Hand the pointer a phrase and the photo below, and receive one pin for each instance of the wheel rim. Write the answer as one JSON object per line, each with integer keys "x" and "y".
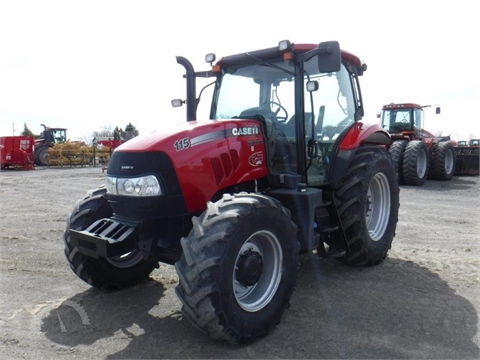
{"x": 254, "y": 294}
{"x": 378, "y": 206}
{"x": 126, "y": 260}
{"x": 449, "y": 160}
{"x": 421, "y": 163}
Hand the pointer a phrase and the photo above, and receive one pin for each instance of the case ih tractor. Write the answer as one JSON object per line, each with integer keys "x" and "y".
{"x": 283, "y": 167}
{"x": 50, "y": 137}
{"x": 416, "y": 153}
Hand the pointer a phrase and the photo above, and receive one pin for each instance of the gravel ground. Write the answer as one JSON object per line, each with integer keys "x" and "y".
{"x": 421, "y": 303}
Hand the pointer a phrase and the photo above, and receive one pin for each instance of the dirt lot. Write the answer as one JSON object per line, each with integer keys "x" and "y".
{"x": 422, "y": 302}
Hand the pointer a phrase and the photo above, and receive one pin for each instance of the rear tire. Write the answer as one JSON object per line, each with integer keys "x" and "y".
{"x": 113, "y": 273}
{"x": 442, "y": 161}
{"x": 396, "y": 151}
{"x": 239, "y": 267}
{"x": 41, "y": 155}
{"x": 368, "y": 202}
{"x": 415, "y": 163}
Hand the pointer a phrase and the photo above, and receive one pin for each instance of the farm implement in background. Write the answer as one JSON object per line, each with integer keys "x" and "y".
{"x": 77, "y": 154}
{"x": 468, "y": 157}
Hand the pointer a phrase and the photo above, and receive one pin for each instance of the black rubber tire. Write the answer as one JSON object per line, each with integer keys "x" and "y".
{"x": 100, "y": 273}
{"x": 415, "y": 163}
{"x": 442, "y": 165}
{"x": 368, "y": 202}
{"x": 41, "y": 155}
{"x": 210, "y": 261}
{"x": 396, "y": 150}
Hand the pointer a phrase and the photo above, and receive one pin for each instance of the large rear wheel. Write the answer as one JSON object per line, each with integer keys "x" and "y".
{"x": 442, "y": 161}
{"x": 368, "y": 202}
{"x": 396, "y": 151}
{"x": 41, "y": 155}
{"x": 239, "y": 267}
{"x": 415, "y": 163}
{"x": 112, "y": 273}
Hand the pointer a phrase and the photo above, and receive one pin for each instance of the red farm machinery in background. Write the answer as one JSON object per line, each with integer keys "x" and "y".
{"x": 416, "y": 153}
{"x": 17, "y": 152}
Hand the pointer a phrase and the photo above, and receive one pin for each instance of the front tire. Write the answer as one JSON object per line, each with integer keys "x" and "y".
{"x": 368, "y": 202}
{"x": 239, "y": 266}
{"x": 112, "y": 273}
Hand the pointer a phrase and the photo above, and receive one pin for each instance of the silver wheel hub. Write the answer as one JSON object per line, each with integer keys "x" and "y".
{"x": 422, "y": 163}
{"x": 258, "y": 271}
{"x": 378, "y": 204}
{"x": 449, "y": 160}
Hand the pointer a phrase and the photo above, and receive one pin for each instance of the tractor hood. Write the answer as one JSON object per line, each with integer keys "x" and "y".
{"x": 183, "y": 136}
{"x": 207, "y": 156}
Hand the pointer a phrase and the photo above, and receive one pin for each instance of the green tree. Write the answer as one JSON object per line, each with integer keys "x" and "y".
{"x": 26, "y": 131}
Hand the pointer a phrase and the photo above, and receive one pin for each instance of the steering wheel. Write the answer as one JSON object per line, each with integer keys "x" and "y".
{"x": 282, "y": 118}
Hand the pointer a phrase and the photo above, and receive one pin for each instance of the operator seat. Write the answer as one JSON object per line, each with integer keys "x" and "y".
{"x": 289, "y": 128}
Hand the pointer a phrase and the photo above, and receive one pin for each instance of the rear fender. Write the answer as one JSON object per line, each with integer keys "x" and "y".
{"x": 364, "y": 134}
{"x": 359, "y": 134}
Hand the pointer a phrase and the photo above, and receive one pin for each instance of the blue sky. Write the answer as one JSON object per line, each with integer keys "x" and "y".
{"x": 93, "y": 64}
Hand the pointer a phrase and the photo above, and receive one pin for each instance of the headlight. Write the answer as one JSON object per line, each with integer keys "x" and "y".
{"x": 141, "y": 186}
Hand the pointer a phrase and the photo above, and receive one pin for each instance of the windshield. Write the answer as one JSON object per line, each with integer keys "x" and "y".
{"x": 397, "y": 120}
{"x": 267, "y": 92}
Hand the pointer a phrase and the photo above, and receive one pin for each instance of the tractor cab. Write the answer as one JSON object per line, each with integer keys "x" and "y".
{"x": 51, "y": 136}
{"x": 305, "y": 96}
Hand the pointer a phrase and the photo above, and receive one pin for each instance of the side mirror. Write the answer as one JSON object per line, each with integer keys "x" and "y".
{"x": 312, "y": 86}
{"x": 329, "y": 57}
{"x": 437, "y": 110}
{"x": 177, "y": 102}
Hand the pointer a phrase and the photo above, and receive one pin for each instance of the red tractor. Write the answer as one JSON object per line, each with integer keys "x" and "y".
{"x": 416, "y": 153}
{"x": 50, "y": 137}
{"x": 283, "y": 166}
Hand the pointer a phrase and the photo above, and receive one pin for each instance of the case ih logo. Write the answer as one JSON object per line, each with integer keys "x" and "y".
{"x": 253, "y": 130}
{"x": 256, "y": 159}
